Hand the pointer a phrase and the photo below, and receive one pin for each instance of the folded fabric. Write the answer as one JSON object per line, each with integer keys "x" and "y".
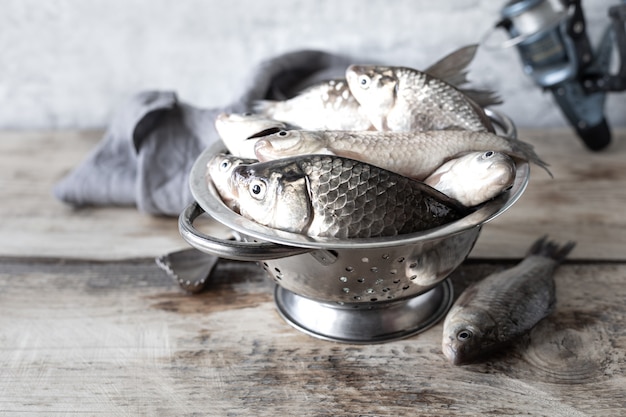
{"x": 147, "y": 152}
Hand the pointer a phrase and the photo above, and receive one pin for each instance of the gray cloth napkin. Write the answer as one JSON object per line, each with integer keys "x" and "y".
{"x": 147, "y": 152}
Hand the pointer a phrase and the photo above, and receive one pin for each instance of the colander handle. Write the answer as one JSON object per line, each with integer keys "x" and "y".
{"x": 230, "y": 249}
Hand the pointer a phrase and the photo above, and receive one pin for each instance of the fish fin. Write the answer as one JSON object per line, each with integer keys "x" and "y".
{"x": 526, "y": 151}
{"x": 550, "y": 249}
{"x": 452, "y": 67}
{"x": 482, "y": 96}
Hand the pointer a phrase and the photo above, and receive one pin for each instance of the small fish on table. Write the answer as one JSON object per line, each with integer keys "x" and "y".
{"x": 496, "y": 311}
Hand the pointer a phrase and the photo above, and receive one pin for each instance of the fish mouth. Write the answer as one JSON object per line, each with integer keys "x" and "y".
{"x": 265, "y": 132}
{"x": 450, "y": 353}
{"x": 233, "y": 182}
{"x": 263, "y": 150}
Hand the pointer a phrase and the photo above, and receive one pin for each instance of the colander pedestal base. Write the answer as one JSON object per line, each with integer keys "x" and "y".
{"x": 365, "y": 323}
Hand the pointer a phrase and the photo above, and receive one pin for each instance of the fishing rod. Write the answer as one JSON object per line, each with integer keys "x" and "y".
{"x": 551, "y": 38}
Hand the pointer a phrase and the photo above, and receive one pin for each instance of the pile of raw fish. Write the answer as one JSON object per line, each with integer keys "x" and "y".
{"x": 385, "y": 151}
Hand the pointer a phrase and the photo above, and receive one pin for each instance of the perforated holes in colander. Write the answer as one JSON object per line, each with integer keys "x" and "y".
{"x": 279, "y": 274}
{"x": 275, "y": 273}
{"x": 367, "y": 282}
{"x": 406, "y": 286}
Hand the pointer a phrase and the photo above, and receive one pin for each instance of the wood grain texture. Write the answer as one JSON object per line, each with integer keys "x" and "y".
{"x": 585, "y": 201}
{"x": 121, "y": 339}
{"x": 89, "y": 325}
{"x": 34, "y": 223}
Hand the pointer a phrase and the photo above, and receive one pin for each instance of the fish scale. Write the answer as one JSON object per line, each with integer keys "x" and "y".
{"x": 331, "y": 196}
{"x": 433, "y": 93}
{"x": 381, "y": 206}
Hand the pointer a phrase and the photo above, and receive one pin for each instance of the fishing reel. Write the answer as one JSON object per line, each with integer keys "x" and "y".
{"x": 551, "y": 38}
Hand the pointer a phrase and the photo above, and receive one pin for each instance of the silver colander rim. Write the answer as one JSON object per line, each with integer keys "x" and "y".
{"x": 207, "y": 197}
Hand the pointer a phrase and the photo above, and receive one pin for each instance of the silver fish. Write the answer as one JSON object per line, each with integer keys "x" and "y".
{"x": 495, "y": 311}
{"x": 337, "y": 197}
{"x": 402, "y": 99}
{"x": 222, "y": 166}
{"x": 237, "y": 131}
{"x": 330, "y": 105}
{"x": 412, "y": 154}
{"x": 325, "y": 105}
{"x": 475, "y": 177}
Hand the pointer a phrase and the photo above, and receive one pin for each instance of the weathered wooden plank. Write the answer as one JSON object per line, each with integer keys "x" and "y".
{"x": 36, "y": 224}
{"x": 584, "y": 202}
{"x": 122, "y": 339}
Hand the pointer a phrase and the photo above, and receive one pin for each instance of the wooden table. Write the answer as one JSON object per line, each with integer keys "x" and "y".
{"x": 89, "y": 325}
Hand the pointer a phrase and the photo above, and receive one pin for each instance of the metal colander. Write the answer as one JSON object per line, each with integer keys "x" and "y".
{"x": 352, "y": 290}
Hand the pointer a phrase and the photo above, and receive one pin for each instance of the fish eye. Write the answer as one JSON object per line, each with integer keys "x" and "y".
{"x": 257, "y": 189}
{"x": 225, "y": 165}
{"x": 283, "y": 133}
{"x": 489, "y": 154}
{"x": 364, "y": 81}
{"x": 464, "y": 335}
{"x": 247, "y": 114}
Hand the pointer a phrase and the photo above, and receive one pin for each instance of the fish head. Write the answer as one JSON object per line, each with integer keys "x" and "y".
{"x": 240, "y": 130}
{"x": 219, "y": 171}
{"x": 289, "y": 143}
{"x": 491, "y": 172}
{"x": 274, "y": 194}
{"x": 496, "y": 167}
{"x": 468, "y": 333}
{"x": 375, "y": 88}
{"x": 475, "y": 177}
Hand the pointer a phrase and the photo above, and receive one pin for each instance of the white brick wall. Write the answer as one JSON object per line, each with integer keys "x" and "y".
{"x": 69, "y": 63}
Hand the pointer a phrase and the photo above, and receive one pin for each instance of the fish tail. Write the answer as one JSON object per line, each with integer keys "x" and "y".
{"x": 526, "y": 151}
{"x": 550, "y": 249}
